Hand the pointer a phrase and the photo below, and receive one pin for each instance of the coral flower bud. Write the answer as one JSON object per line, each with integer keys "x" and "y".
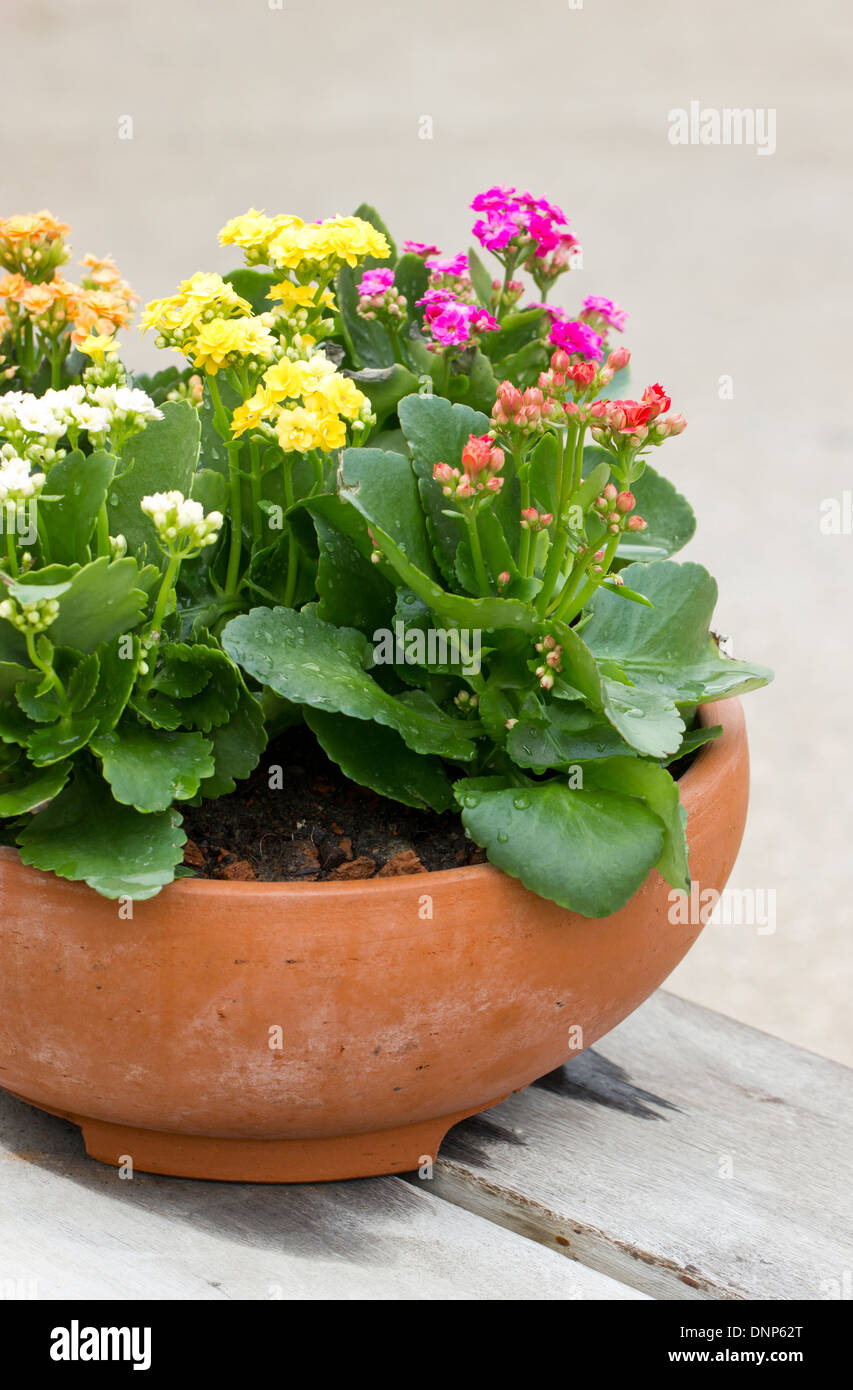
{"x": 677, "y": 423}
{"x": 561, "y": 361}
{"x": 610, "y": 492}
{"x": 636, "y": 523}
{"x": 625, "y": 502}
{"x": 619, "y": 358}
{"x": 503, "y": 578}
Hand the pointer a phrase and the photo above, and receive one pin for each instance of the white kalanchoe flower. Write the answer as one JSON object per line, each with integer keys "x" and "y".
{"x": 17, "y": 483}
{"x": 180, "y": 522}
{"x": 126, "y": 403}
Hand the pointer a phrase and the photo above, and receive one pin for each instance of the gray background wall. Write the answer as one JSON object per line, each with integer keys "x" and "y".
{"x": 730, "y": 262}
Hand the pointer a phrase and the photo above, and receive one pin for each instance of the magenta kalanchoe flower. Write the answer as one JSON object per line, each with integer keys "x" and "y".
{"x": 375, "y": 282}
{"x": 510, "y": 216}
{"x": 420, "y": 248}
{"x": 451, "y": 322}
{"x": 575, "y": 337}
{"x": 613, "y": 315}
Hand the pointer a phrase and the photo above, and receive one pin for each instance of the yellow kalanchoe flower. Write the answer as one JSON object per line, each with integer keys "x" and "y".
{"x": 253, "y": 232}
{"x": 97, "y": 346}
{"x": 226, "y": 342}
{"x": 200, "y": 299}
{"x": 293, "y": 296}
{"x": 327, "y": 244}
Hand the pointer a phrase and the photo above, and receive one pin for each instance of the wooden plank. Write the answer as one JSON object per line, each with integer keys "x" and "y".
{"x": 685, "y": 1154}
{"x": 72, "y": 1228}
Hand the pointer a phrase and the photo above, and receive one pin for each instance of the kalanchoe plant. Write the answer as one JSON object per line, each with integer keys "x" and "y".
{"x": 379, "y": 495}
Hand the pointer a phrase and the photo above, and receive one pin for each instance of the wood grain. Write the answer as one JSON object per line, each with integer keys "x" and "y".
{"x": 686, "y": 1154}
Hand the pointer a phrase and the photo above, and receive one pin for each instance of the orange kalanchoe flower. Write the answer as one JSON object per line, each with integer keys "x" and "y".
{"x": 33, "y": 244}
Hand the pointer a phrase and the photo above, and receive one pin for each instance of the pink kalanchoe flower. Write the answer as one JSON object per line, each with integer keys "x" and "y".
{"x": 448, "y": 265}
{"x": 420, "y": 248}
{"x": 375, "y": 282}
{"x": 612, "y": 314}
{"x": 480, "y": 454}
{"x": 482, "y": 461}
{"x": 576, "y": 337}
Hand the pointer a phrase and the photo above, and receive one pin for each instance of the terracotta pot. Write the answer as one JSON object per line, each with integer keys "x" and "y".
{"x": 288, "y": 1032}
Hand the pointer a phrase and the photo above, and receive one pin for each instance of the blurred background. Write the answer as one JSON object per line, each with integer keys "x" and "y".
{"x": 734, "y": 266}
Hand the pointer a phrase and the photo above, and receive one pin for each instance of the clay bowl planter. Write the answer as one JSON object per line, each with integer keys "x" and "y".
{"x": 288, "y": 1032}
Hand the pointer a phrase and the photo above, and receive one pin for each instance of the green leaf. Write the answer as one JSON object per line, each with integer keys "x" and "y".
{"x": 104, "y": 600}
{"x": 195, "y": 686}
{"x": 517, "y": 329}
{"x": 384, "y": 387}
{"x": 669, "y": 648}
{"x": 653, "y": 785}
{"x": 237, "y": 747}
{"x": 161, "y": 458}
{"x": 695, "y": 739}
{"x": 647, "y": 719}
{"x": 210, "y": 488}
{"x": 310, "y": 662}
{"x": 369, "y": 339}
{"x": 78, "y": 488}
{"x": 352, "y": 592}
{"x": 50, "y": 743}
{"x": 376, "y": 757}
{"x": 383, "y": 488}
{"x": 368, "y": 213}
{"x": 117, "y": 661}
{"x": 561, "y": 734}
{"x": 480, "y": 279}
{"x": 589, "y": 851}
{"x": 84, "y": 834}
{"x": 253, "y": 285}
{"x": 149, "y": 769}
{"x": 670, "y": 518}
{"x": 29, "y": 787}
{"x": 411, "y": 278}
{"x": 436, "y": 432}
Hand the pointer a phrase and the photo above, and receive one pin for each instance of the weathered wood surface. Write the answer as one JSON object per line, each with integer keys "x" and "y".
{"x": 70, "y": 1227}
{"x": 686, "y": 1154}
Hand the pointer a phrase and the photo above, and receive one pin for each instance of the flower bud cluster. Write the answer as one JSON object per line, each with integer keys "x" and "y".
{"x": 479, "y": 476}
{"x": 180, "y": 522}
{"x": 553, "y": 653}
{"x": 523, "y": 412}
{"x": 32, "y": 617}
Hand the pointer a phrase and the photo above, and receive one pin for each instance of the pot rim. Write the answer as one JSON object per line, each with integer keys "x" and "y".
{"x": 709, "y": 761}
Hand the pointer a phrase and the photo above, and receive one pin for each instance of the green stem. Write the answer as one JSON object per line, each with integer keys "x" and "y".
{"x": 169, "y": 580}
{"x": 477, "y": 554}
{"x": 46, "y": 670}
{"x": 569, "y": 606}
{"x": 255, "y": 464}
{"x": 11, "y": 549}
{"x": 292, "y": 549}
{"x": 235, "y": 552}
{"x": 525, "y": 546}
{"x": 103, "y": 531}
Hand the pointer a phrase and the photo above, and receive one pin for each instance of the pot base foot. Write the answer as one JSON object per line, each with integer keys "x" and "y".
{"x": 268, "y": 1160}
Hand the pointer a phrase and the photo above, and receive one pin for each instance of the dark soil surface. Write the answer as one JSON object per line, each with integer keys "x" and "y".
{"x": 318, "y": 825}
